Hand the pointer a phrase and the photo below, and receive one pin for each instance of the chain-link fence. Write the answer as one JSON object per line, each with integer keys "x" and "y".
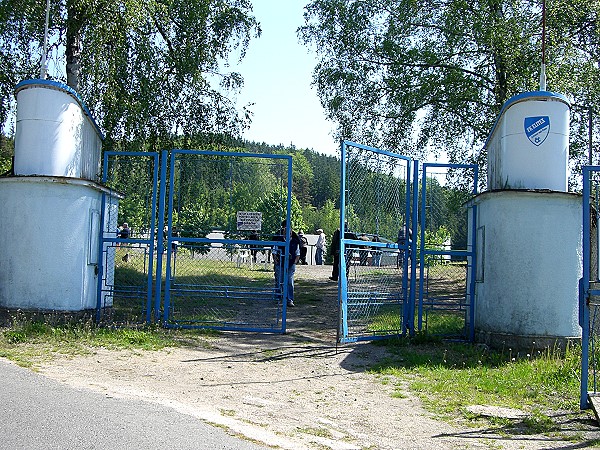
{"x": 376, "y": 209}
{"x": 126, "y": 272}
{"x": 224, "y": 284}
{"x": 223, "y": 230}
{"x": 200, "y": 252}
{"x": 445, "y": 252}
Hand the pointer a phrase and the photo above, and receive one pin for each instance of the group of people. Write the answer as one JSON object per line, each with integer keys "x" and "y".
{"x": 404, "y": 241}
{"x": 320, "y": 247}
{"x": 297, "y": 254}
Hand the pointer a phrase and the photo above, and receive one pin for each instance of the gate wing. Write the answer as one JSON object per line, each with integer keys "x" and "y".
{"x": 373, "y": 257}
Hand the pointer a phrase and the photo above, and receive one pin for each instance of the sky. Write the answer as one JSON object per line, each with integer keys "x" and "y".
{"x": 277, "y": 72}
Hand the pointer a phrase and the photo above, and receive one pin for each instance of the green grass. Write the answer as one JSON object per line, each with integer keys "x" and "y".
{"x": 445, "y": 323}
{"x": 449, "y": 377}
{"x": 29, "y": 343}
{"x": 204, "y": 291}
{"x": 386, "y": 319}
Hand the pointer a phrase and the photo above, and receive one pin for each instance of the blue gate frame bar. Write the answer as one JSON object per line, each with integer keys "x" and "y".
{"x": 160, "y": 245}
{"x": 584, "y": 288}
{"x": 412, "y": 253}
{"x": 342, "y": 282}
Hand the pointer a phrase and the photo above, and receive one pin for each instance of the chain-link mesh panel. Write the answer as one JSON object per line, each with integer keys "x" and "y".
{"x": 376, "y": 208}
{"x": 376, "y": 292}
{"x": 375, "y": 197}
{"x": 127, "y": 252}
{"x": 444, "y": 250}
{"x": 221, "y": 266}
{"x": 445, "y": 302}
{"x": 224, "y": 285}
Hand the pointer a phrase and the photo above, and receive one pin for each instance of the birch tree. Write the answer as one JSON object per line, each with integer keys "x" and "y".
{"x": 426, "y": 76}
{"x": 147, "y": 69}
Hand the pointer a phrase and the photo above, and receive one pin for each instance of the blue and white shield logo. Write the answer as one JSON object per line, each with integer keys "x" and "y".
{"x": 537, "y": 129}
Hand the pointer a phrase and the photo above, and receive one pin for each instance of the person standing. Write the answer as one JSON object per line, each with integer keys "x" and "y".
{"x": 376, "y": 252}
{"x": 404, "y": 244}
{"x": 321, "y": 243}
{"x": 335, "y": 251}
{"x": 279, "y": 262}
{"x": 125, "y": 231}
{"x": 303, "y": 247}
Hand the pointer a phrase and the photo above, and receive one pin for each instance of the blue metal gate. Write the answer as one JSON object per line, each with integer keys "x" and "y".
{"x": 375, "y": 250}
{"x": 125, "y": 275}
{"x": 221, "y": 235}
{"x": 447, "y": 249}
{"x": 200, "y": 245}
{"x": 396, "y": 253}
{"x": 589, "y": 291}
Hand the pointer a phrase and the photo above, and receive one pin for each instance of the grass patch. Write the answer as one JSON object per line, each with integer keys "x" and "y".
{"x": 316, "y": 431}
{"x": 453, "y": 375}
{"x": 448, "y": 377}
{"x": 445, "y": 323}
{"x": 28, "y": 343}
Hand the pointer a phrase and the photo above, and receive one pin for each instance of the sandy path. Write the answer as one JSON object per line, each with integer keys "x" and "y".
{"x": 295, "y": 391}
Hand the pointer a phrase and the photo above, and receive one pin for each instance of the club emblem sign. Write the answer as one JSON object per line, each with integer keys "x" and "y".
{"x": 537, "y": 129}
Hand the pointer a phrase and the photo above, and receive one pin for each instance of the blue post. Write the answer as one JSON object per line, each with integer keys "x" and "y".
{"x": 288, "y": 236}
{"x": 473, "y": 252}
{"x": 584, "y": 313}
{"x": 342, "y": 281}
{"x": 422, "y": 244}
{"x": 159, "y": 238}
{"x": 151, "y": 237}
{"x": 167, "y": 301}
{"x": 408, "y": 323}
{"x": 471, "y": 331}
{"x": 101, "y": 244}
{"x": 414, "y": 225}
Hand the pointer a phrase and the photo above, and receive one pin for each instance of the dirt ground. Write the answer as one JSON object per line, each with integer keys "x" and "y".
{"x": 292, "y": 391}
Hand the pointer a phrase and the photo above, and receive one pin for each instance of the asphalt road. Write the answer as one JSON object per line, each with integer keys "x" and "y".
{"x": 39, "y": 413}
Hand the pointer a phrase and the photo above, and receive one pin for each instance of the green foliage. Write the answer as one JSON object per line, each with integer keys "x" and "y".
{"x": 192, "y": 220}
{"x": 376, "y": 198}
{"x": 326, "y": 179}
{"x": 416, "y": 76}
{"x": 6, "y": 153}
{"x": 435, "y": 240}
{"x": 132, "y": 177}
{"x": 327, "y": 218}
{"x": 132, "y": 209}
{"x": 321, "y": 175}
{"x": 273, "y": 206}
{"x": 445, "y": 206}
{"x": 302, "y": 177}
{"x": 144, "y": 68}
